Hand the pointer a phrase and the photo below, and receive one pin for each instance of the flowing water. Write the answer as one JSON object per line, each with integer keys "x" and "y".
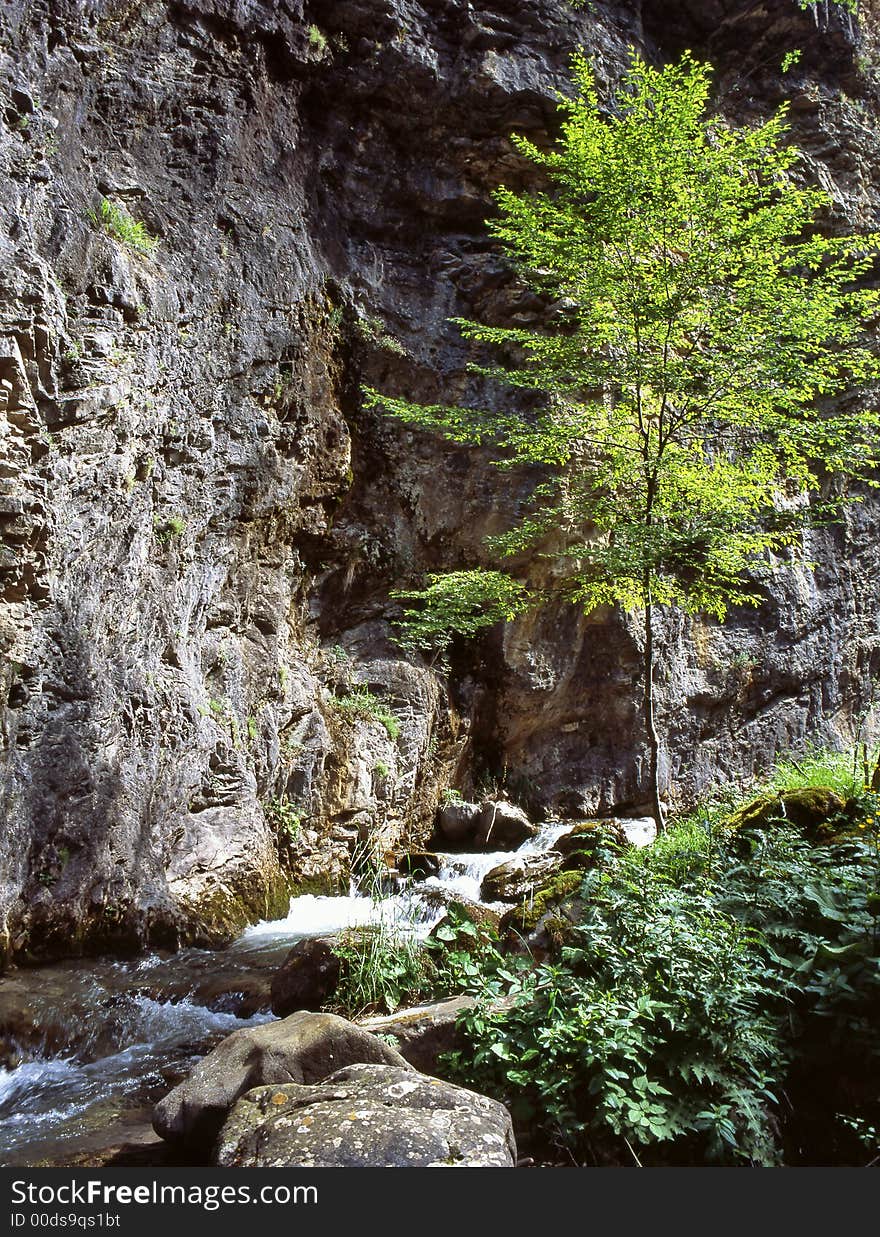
{"x": 89, "y": 1042}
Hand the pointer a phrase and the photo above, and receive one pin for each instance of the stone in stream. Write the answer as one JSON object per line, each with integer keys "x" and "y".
{"x": 307, "y": 977}
{"x": 502, "y": 826}
{"x": 583, "y": 845}
{"x": 304, "y": 1048}
{"x": 419, "y": 864}
{"x": 425, "y": 1032}
{"x": 367, "y": 1116}
{"x": 458, "y": 822}
{"x": 519, "y": 878}
{"x": 490, "y": 825}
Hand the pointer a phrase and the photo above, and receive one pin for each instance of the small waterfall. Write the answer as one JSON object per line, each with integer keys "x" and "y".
{"x": 106, "y": 1034}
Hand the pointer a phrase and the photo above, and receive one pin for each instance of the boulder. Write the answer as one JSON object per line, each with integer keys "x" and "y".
{"x": 304, "y": 1048}
{"x": 458, "y": 822}
{"x": 423, "y": 1034}
{"x": 367, "y": 1116}
{"x": 307, "y": 977}
{"x": 519, "y": 878}
{"x": 502, "y": 826}
{"x": 546, "y": 917}
{"x": 639, "y": 831}
{"x": 812, "y": 809}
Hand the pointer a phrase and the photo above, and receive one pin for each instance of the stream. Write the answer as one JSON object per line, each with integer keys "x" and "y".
{"x": 92, "y": 1044}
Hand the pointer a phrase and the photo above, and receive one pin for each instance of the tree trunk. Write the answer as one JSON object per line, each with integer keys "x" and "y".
{"x": 650, "y": 727}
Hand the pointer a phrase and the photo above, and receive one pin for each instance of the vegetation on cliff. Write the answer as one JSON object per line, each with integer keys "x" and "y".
{"x": 672, "y": 395}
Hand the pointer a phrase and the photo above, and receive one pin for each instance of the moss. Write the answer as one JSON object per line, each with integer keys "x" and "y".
{"x": 816, "y": 810}
{"x": 316, "y": 886}
{"x": 525, "y": 918}
{"x": 222, "y": 914}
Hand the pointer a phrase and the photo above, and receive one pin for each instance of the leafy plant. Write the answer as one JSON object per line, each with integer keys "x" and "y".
{"x": 372, "y": 330}
{"x": 317, "y": 41}
{"x": 700, "y": 990}
{"x": 284, "y": 817}
{"x": 118, "y": 223}
{"x": 166, "y": 528}
{"x": 674, "y": 396}
{"x": 360, "y": 702}
{"x": 458, "y": 603}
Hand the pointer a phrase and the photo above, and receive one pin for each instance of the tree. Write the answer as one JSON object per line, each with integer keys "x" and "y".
{"x": 677, "y": 392}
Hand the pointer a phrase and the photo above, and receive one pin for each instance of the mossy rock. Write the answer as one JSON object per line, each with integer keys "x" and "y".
{"x": 222, "y": 913}
{"x": 817, "y": 811}
{"x": 317, "y": 886}
{"x": 581, "y": 848}
{"x": 524, "y": 919}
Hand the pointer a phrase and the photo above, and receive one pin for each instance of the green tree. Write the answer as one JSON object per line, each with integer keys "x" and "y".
{"x": 676, "y": 394}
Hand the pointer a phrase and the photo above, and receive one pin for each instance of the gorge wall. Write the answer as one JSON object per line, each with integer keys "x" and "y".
{"x": 200, "y": 525}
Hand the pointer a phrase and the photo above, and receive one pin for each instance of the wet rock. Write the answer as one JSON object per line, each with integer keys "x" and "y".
{"x": 303, "y": 1048}
{"x": 519, "y": 878}
{"x": 367, "y": 1116}
{"x": 307, "y": 977}
{"x": 502, "y": 826}
{"x": 419, "y": 864}
{"x": 422, "y": 1034}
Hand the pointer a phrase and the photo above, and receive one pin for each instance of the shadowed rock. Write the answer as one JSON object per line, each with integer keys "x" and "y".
{"x": 307, "y": 977}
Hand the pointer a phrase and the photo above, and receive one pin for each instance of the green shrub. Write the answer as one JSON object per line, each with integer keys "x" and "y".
{"x": 118, "y": 223}
{"x": 317, "y": 41}
{"x": 361, "y": 703}
{"x": 166, "y": 528}
{"x": 701, "y": 988}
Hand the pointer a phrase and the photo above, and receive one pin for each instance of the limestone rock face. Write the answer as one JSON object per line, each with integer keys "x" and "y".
{"x": 200, "y": 524}
{"x": 367, "y": 1116}
{"x": 303, "y": 1048}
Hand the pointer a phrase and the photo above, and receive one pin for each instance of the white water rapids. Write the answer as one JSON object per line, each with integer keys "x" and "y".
{"x": 114, "y": 1030}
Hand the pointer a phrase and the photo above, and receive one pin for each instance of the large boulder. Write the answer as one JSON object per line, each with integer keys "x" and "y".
{"x": 304, "y": 1048}
{"x": 367, "y": 1116}
{"x": 815, "y": 810}
{"x": 457, "y": 823}
{"x": 519, "y": 878}
{"x": 544, "y": 919}
{"x": 307, "y": 977}
{"x": 502, "y": 826}
{"x": 424, "y": 1033}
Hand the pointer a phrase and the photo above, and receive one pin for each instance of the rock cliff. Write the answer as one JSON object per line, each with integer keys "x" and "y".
{"x": 200, "y": 526}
